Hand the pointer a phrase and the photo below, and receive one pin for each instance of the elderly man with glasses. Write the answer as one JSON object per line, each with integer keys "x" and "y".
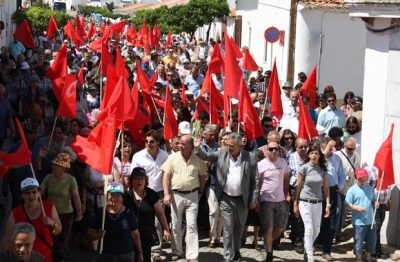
{"x": 331, "y": 116}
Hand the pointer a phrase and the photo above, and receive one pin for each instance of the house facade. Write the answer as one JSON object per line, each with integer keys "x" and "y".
{"x": 381, "y": 91}
{"x": 326, "y": 36}
{"x": 7, "y": 8}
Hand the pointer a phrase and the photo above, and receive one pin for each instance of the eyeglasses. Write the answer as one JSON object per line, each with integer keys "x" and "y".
{"x": 330, "y": 100}
{"x": 350, "y": 148}
{"x": 150, "y": 141}
{"x": 272, "y": 149}
{"x": 169, "y": 75}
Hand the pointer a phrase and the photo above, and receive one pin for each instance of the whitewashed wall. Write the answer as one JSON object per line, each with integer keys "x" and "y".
{"x": 381, "y": 108}
{"x": 7, "y": 8}
{"x": 342, "y": 42}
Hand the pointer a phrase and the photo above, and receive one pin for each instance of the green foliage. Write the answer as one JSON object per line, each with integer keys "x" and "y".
{"x": 184, "y": 18}
{"x": 38, "y": 17}
{"x": 87, "y": 10}
{"x": 110, "y": 6}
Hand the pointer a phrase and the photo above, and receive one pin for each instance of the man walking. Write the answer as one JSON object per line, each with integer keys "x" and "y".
{"x": 236, "y": 189}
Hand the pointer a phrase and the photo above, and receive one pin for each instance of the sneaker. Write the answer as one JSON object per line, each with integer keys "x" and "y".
{"x": 175, "y": 257}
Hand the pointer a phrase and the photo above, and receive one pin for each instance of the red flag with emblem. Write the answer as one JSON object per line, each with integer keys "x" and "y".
{"x": 67, "y": 102}
{"x": 384, "y": 162}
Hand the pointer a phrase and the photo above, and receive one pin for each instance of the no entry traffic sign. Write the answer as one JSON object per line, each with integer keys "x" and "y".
{"x": 271, "y": 34}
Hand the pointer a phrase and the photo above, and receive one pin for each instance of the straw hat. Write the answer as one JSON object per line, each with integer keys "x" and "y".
{"x": 62, "y": 159}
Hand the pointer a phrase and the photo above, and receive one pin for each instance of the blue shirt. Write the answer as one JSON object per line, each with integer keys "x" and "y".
{"x": 193, "y": 84}
{"x": 363, "y": 197}
{"x": 329, "y": 118}
{"x": 295, "y": 162}
{"x": 16, "y": 49}
{"x": 336, "y": 176}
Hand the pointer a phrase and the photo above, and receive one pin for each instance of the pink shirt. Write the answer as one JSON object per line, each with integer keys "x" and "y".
{"x": 271, "y": 179}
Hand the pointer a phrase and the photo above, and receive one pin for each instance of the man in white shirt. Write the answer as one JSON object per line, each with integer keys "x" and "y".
{"x": 151, "y": 159}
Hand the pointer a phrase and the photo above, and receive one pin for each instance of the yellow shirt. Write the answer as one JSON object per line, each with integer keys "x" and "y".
{"x": 174, "y": 59}
{"x": 184, "y": 175}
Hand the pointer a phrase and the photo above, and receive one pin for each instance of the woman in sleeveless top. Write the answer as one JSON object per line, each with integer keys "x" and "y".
{"x": 46, "y": 224}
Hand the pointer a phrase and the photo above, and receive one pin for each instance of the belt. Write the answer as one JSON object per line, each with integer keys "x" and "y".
{"x": 185, "y": 192}
{"x": 311, "y": 201}
{"x": 233, "y": 197}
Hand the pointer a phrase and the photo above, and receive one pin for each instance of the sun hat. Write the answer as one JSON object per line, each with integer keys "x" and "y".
{"x": 62, "y": 159}
{"x": 184, "y": 128}
{"x": 29, "y": 183}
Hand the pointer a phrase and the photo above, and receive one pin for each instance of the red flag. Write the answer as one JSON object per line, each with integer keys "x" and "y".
{"x": 216, "y": 104}
{"x": 227, "y": 108}
{"x": 156, "y": 35}
{"x": 106, "y": 57}
{"x": 120, "y": 67}
{"x": 274, "y": 94}
{"x": 69, "y": 30}
{"x": 112, "y": 80}
{"x": 183, "y": 95}
{"x": 307, "y": 128}
{"x": 151, "y": 37}
{"x": 97, "y": 150}
{"x": 24, "y": 34}
{"x": 21, "y": 157}
{"x": 201, "y": 106}
{"x": 80, "y": 27}
{"x": 384, "y": 162}
{"x": 309, "y": 88}
{"x": 67, "y": 102}
{"x": 52, "y": 28}
{"x": 143, "y": 80}
{"x": 236, "y": 49}
{"x": 216, "y": 65}
{"x": 119, "y": 105}
{"x": 81, "y": 76}
{"x": 170, "y": 123}
{"x": 248, "y": 62}
{"x": 233, "y": 74}
{"x": 145, "y": 38}
{"x": 102, "y": 28}
{"x": 168, "y": 43}
{"x": 248, "y": 114}
{"x": 91, "y": 31}
{"x": 59, "y": 66}
{"x": 131, "y": 35}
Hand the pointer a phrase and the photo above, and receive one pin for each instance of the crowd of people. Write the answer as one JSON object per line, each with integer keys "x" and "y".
{"x": 276, "y": 182}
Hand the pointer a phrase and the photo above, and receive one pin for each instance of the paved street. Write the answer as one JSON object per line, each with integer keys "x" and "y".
{"x": 342, "y": 252}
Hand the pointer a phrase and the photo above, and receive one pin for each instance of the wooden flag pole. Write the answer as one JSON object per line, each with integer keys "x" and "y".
{"x": 377, "y": 199}
{"x": 40, "y": 195}
{"x": 103, "y": 217}
{"x": 155, "y": 108}
{"x": 52, "y": 132}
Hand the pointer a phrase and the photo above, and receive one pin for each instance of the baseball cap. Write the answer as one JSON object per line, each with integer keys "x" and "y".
{"x": 356, "y": 100}
{"x": 287, "y": 84}
{"x": 361, "y": 173}
{"x": 115, "y": 187}
{"x": 29, "y": 183}
{"x": 184, "y": 128}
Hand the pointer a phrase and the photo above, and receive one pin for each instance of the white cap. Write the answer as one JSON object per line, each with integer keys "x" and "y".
{"x": 24, "y": 65}
{"x": 115, "y": 187}
{"x": 29, "y": 183}
{"x": 184, "y": 128}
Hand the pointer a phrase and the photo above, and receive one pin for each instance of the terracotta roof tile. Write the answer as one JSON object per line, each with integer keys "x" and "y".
{"x": 325, "y": 4}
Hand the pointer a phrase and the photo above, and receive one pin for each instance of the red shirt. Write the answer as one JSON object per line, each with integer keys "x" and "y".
{"x": 41, "y": 229}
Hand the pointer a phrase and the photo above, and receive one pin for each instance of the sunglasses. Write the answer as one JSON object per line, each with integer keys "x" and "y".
{"x": 350, "y": 148}
{"x": 169, "y": 75}
{"x": 268, "y": 126}
{"x": 272, "y": 149}
{"x": 150, "y": 141}
{"x": 330, "y": 100}
{"x": 302, "y": 147}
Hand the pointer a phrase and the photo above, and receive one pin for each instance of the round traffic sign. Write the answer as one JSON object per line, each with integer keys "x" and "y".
{"x": 271, "y": 34}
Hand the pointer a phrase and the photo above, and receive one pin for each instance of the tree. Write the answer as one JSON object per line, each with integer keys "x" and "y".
{"x": 38, "y": 17}
{"x": 110, "y": 6}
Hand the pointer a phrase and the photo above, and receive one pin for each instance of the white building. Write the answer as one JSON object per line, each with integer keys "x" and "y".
{"x": 381, "y": 91}
{"x": 326, "y": 36}
{"x": 7, "y": 8}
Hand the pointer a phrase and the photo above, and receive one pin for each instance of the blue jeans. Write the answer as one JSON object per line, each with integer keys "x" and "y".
{"x": 364, "y": 234}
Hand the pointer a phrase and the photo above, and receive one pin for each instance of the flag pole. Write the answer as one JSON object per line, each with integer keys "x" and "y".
{"x": 103, "y": 217}
{"x": 158, "y": 114}
{"x": 377, "y": 198}
{"x": 40, "y": 195}
{"x": 101, "y": 82}
{"x": 52, "y": 132}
